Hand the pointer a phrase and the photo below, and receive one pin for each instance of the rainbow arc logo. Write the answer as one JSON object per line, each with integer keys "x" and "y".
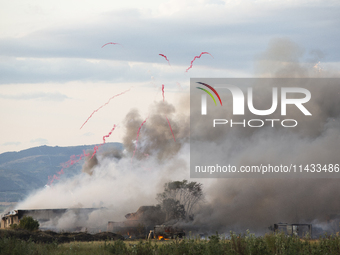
{"x": 207, "y": 91}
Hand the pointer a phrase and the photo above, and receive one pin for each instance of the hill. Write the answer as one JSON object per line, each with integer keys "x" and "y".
{"x": 26, "y": 170}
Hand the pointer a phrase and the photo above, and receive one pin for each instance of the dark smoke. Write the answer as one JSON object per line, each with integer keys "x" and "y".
{"x": 89, "y": 164}
{"x": 155, "y": 138}
{"x": 255, "y": 204}
{"x": 113, "y": 153}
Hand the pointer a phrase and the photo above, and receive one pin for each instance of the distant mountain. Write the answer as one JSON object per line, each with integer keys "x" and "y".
{"x": 26, "y": 170}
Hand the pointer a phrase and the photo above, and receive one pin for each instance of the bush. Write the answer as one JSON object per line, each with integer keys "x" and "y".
{"x": 14, "y": 226}
{"x": 27, "y": 222}
{"x": 118, "y": 247}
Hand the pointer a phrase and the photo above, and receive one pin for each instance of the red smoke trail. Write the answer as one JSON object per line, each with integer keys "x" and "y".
{"x": 171, "y": 129}
{"x": 138, "y": 136}
{"x": 104, "y": 105}
{"x": 165, "y": 58}
{"x": 105, "y": 136}
{"x": 166, "y": 116}
{"x": 111, "y": 43}
{"x": 73, "y": 159}
{"x": 163, "y": 91}
{"x": 197, "y": 57}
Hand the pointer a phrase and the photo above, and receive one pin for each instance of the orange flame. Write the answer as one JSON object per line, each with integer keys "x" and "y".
{"x": 162, "y": 238}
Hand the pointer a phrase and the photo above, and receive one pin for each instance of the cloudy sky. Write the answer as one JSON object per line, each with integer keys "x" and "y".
{"x": 54, "y": 71}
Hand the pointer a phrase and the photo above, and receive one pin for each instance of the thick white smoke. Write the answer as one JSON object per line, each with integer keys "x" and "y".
{"x": 120, "y": 186}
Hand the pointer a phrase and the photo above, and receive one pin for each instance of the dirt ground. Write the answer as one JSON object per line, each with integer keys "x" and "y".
{"x": 65, "y": 237}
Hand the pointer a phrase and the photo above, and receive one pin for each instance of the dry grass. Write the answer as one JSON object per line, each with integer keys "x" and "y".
{"x": 235, "y": 244}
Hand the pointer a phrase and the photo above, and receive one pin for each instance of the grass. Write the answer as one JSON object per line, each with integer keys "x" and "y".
{"x": 236, "y": 244}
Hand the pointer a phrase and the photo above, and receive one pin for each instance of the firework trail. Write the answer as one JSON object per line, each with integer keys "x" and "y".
{"x": 166, "y": 116}
{"x": 163, "y": 91}
{"x": 165, "y": 58}
{"x": 197, "y": 57}
{"x": 103, "y": 106}
{"x": 138, "y": 137}
{"x": 73, "y": 159}
{"x": 111, "y": 43}
{"x": 100, "y": 145}
{"x": 170, "y": 129}
{"x": 76, "y": 158}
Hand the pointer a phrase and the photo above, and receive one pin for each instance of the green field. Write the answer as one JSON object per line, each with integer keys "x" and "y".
{"x": 235, "y": 244}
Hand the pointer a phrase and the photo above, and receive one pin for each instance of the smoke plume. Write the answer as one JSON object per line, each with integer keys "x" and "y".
{"x": 121, "y": 184}
{"x": 255, "y": 204}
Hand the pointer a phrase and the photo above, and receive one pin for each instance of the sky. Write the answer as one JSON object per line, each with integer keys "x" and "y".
{"x": 54, "y": 71}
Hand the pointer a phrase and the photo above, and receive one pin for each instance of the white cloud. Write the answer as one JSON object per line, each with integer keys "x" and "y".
{"x": 56, "y": 96}
{"x": 11, "y": 144}
{"x": 234, "y": 33}
{"x": 56, "y": 53}
{"x": 40, "y": 141}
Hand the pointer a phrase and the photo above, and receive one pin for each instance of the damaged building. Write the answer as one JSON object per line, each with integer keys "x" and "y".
{"x": 45, "y": 217}
{"x": 139, "y": 223}
{"x": 296, "y": 229}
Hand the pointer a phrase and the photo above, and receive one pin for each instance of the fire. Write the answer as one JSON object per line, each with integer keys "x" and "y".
{"x": 162, "y": 238}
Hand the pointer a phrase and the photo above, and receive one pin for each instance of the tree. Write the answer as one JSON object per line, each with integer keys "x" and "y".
{"x": 27, "y": 222}
{"x": 173, "y": 209}
{"x": 180, "y": 198}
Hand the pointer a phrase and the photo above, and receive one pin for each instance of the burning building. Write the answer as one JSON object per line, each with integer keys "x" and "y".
{"x": 46, "y": 217}
{"x": 294, "y": 229}
{"x": 139, "y": 223}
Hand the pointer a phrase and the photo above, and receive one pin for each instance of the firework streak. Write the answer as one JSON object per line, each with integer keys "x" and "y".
{"x": 98, "y": 146}
{"x": 165, "y": 58}
{"x": 170, "y": 129}
{"x": 138, "y": 137}
{"x": 73, "y": 159}
{"x": 103, "y": 106}
{"x": 197, "y": 57}
{"x": 163, "y": 91}
{"x": 166, "y": 116}
{"x": 111, "y": 43}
